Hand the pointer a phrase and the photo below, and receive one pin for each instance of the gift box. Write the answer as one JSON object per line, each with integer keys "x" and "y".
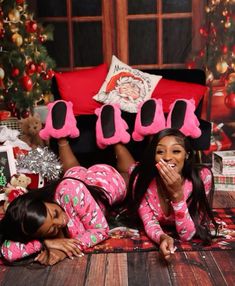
{"x": 223, "y": 162}
{"x": 219, "y": 139}
{"x": 224, "y": 182}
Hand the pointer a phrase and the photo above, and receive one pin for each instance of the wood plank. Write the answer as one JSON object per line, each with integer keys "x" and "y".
{"x": 116, "y": 270}
{"x": 68, "y": 272}
{"x": 26, "y": 275}
{"x": 157, "y": 269}
{"x": 189, "y": 268}
{"x": 95, "y": 273}
{"x": 226, "y": 262}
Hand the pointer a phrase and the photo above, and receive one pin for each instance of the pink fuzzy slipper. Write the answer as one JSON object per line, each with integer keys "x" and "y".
{"x": 181, "y": 116}
{"x": 110, "y": 127}
{"x": 60, "y": 121}
{"x": 149, "y": 120}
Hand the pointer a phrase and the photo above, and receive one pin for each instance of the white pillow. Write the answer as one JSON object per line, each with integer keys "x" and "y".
{"x": 126, "y": 86}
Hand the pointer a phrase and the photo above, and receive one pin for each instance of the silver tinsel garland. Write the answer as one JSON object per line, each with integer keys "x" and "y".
{"x": 41, "y": 160}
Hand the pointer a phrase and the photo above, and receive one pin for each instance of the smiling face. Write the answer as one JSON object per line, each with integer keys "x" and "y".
{"x": 55, "y": 221}
{"x": 171, "y": 149}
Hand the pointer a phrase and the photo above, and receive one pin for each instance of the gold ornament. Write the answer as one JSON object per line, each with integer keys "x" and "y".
{"x": 207, "y": 9}
{"x": 227, "y": 25}
{"x": 2, "y": 73}
{"x": 14, "y": 16}
{"x": 221, "y": 66}
{"x": 1, "y": 97}
{"x": 17, "y": 39}
{"x": 47, "y": 97}
{"x": 231, "y": 77}
{"x": 14, "y": 28}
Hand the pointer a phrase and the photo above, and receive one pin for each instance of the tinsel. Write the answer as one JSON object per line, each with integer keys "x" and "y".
{"x": 41, "y": 160}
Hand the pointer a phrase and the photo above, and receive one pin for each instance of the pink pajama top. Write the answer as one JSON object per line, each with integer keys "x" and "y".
{"x": 87, "y": 220}
{"x": 153, "y": 217}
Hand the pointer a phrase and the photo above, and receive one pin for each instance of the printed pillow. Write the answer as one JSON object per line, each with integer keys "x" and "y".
{"x": 80, "y": 86}
{"x": 170, "y": 90}
{"x": 126, "y": 86}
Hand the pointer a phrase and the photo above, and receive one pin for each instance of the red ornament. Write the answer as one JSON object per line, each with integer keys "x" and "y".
{"x": 230, "y": 100}
{"x": 2, "y": 33}
{"x": 191, "y": 64}
{"x": 31, "y": 26}
{"x": 11, "y": 105}
{"x": 31, "y": 68}
{"x": 224, "y": 49}
{"x": 19, "y": 2}
{"x": 27, "y": 83}
{"x": 233, "y": 49}
{"x": 15, "y": 72}
{"x": 25, "y": 113}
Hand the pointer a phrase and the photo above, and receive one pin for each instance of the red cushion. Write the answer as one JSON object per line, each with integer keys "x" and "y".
{"x": 80, "y": 86}
{"x": 170, "y": 90}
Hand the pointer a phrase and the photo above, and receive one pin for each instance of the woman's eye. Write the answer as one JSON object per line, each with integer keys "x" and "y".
{"x": 177, "y": 151}
{"x": 159, "y": 152}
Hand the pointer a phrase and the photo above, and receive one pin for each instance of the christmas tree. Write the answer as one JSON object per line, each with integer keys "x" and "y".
{"x": 217, "y": 57}
{"x": 26, "y": 68}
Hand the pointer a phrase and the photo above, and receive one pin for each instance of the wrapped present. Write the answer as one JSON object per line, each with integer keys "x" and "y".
{"x": 223, "y": 162}
{"x": 219, "y": 139}
{"x": 228, "y": 179}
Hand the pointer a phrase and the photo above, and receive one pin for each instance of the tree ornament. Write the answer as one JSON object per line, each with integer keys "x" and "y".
{"x": 31, "y": 26}
{"x": 2, "y": 33}
{"x": 17, "y": 39}
{"x": 47, "y": 98}
{"x": 25, "y": 113}
{"x": 26, "y": 83}
{"x": 15, "y": 72}
{"x": 221, "y": 67}
{"x": 2, "y": 73}
{"x": 227, "y": 24}
{"x": 191, "y": 64}
{"x": 19, "y": 2}
{"x": 230, "y": 100}
{"x": 31, "y": 68}
{"x": 224, "y": 49}
{"x": 231, "y": 77}
{"x": 14, "y": 15}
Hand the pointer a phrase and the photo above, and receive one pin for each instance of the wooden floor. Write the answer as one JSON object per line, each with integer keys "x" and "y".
{"x": 146, "y": 268}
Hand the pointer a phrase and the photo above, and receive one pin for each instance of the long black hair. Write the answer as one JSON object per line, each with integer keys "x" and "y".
{"x": 26, "y": 214}
{"x": 199, "y": 205}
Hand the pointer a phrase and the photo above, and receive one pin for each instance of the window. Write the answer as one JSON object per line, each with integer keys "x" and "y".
{"x": 142, "y": 33}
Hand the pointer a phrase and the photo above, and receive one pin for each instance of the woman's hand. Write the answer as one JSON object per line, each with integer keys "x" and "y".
{"x": 172, "y": 180}
{"x": 70, "y": 246}
{"x": 167, "y": 248}
{"x": 50, "y": 257}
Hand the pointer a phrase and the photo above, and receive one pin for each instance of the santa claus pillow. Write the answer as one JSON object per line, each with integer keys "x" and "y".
{"x": 126, "y": 86}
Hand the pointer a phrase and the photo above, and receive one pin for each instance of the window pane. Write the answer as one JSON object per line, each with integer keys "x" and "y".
{"x": 88, "y": 44}
{"x": 86, "y": 8}
{"x": 58, "y": 49}
{"x": 177, "y": 40}
{"x": 51, "y": 8}
{"x": 176, "y": 6}
{"x": 142, "y": 6}
{"x": 142, "y": 42}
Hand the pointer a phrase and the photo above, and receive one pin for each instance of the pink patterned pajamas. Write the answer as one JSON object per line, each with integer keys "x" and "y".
{"x": 87, "y": 221}
{"x": 153, "y": 217}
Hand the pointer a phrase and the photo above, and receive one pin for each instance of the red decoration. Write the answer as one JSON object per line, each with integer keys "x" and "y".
{"x": 31, "y": 26}
{"x": 191, "y": 64}
{"x": 11, "y": 105}
{"x": 25, "y": 113}
{"x": 230, "y": 100}
{"x": 15, "y": 72}
{"x": 19, "y": 2}
{"x": 224, "y": 49}
{"x": 2, "y": 32}
{"x": 27, "y": 83}
{"x": 31, "y": 68}
{"x": 233, "y": 49}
